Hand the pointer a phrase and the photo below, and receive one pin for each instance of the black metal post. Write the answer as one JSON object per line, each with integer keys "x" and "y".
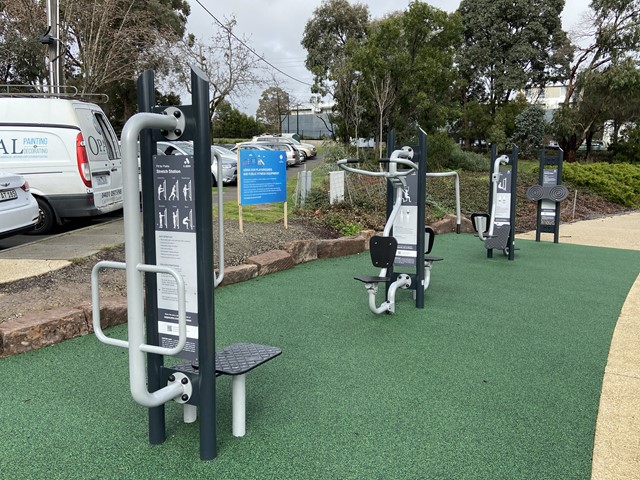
{"x": 204, "y": 248}
{"x": 514, "y": 193}
{"x": 422, "y": 200}
{"x": 494, "y": 155}
{"x": 556, "y": 232}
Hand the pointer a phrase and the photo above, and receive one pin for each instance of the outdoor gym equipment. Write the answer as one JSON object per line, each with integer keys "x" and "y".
{"x": 548, "y": 194}
{"x": 456, "y": 180}
{"x": 404, "y": 234}
{"x": 497, "y": 228}
{"x": 174, "y": 315}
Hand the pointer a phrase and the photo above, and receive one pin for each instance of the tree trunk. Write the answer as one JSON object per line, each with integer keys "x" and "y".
{"x": 570, "y": 147}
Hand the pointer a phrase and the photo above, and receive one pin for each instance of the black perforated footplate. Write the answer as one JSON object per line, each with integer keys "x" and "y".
{"x": 368, "y": 279}
{"x": 242, "y": 357}
{"x": 429, "y": 258}
{"x": 500, "y": 237}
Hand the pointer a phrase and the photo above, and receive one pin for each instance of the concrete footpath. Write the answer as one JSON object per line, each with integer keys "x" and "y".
{"x": 55, "y": 252}
{"x": 616, "y": 453}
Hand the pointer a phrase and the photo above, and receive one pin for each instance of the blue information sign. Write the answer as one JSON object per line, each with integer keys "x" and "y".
{"x": 263, "y": 176}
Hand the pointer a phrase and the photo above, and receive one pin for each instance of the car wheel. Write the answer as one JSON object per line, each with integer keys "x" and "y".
{"x": 47, "y": 219}
{"x": 214, "y": 183}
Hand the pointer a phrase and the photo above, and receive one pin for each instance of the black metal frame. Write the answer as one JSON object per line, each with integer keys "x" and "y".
{"x": 196, "y": 129}
{"x": 555, "y": 161}
{"x": 420, "y": 158}
{"x": 513, "y": 164}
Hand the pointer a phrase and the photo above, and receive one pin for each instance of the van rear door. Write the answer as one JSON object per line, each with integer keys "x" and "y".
{"x": 104, "y": 161}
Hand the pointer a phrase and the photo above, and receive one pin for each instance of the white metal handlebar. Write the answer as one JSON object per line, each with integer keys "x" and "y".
{"x": 182, "y": 311}
{"x": 495, "y": 178}
{"x": 402, "y": 157}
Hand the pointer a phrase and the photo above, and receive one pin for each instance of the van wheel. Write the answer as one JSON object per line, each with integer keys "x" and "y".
{"x": 47, "y": 219}
{"x": 213, "y": 181}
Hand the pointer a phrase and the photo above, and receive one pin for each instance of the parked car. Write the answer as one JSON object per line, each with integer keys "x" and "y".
{"x": 306, "y": 149}
{"x": 68, "y": 152}
{"x": 19, "y": 212}
{"x": 293, "y": 156}
{"x": 596, "y": 146}
{"x": 249, "y": 146}
{"x": 229, "y": 164}
{"x": 229, "y": 160}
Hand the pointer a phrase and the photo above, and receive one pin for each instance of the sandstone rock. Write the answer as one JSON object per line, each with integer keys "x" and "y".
{"x": 447, "y": 224}
{"x": 41, "y": 329}
{"x": 366, "y": 235}
{"x": 339, "y": 247}
{"x": 302, "y": 251}
{"x": 272, "y": 261}
{"x": 113, "y": 311}
{"x": 239, "y": 273}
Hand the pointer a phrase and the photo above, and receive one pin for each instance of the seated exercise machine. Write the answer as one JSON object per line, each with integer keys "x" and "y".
{"x": 404, "y": 234}
{"x": 497, "y": 228}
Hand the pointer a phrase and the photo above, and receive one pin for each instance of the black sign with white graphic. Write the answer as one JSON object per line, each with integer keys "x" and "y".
{"x": 176, "y": 247}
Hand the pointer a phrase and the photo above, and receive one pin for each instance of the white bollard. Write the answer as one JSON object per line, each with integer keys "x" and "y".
{"x": 238, "y": 406}
{"x": 190, "y": 413}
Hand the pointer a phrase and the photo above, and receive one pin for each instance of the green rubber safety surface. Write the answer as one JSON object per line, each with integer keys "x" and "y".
{"x": 499, "y": 376}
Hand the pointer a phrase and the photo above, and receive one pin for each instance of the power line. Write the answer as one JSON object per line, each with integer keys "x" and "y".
{"x": 260, "y": 57}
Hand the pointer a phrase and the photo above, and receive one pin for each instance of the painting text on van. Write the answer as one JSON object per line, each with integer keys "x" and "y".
{"x": 12, "y": 147}
{"x": 35, "y": 141}
{"x": 97, "y": 145}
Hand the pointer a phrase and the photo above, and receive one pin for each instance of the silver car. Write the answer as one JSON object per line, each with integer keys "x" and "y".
{"x": 229, "y": 165}
{"x": 229, "y": 161}
{"x": 293, "y": 157}
{"x": 19, "y": 212}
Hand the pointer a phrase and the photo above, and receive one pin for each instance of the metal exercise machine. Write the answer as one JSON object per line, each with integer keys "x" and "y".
{"x": 404, "y": 234}
{"x": 178, "y": 246}
{"x": 548, "y": 194}
{"x": 497, "y": 228}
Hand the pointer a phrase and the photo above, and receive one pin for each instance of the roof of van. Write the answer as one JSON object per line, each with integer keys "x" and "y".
{"x": 40, "y": 110}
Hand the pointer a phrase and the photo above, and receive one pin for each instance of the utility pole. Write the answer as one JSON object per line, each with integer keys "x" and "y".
{"x": 53, "y": 51}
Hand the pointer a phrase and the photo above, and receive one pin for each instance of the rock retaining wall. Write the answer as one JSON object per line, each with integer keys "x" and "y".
{"x": 41, "y": 329}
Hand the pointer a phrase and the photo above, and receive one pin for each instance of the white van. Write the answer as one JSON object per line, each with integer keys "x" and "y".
{"x": 67, "y": 151}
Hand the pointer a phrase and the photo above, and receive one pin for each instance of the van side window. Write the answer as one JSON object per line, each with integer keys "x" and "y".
{"x": 111, "y": 141}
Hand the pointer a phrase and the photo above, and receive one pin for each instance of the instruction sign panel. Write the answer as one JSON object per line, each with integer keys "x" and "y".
{"x": 405, "y": 226}
{"x": 263, "y": 176}
{"x": 548, "y": 207}
{"x": 175, "y": 238}
{"x": 503, "y": 198}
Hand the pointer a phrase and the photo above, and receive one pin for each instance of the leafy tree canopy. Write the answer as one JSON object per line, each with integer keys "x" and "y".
{"x": 511, "y": 45}
{"x": 274, "y": 102}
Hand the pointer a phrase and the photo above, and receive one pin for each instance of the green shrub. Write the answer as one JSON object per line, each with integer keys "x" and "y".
{"x": 440, "y": 148}
{"x": 467, "y": 161}
{"x": 627, "y": 150}
{"x": 619, "y": 183}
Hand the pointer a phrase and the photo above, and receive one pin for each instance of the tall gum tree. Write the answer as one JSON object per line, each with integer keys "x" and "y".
{"x": 510, "y": 45}
{"x": 608, "y": 40}
{"x": 333, "y": 25}
{"x": 406, "y": 63}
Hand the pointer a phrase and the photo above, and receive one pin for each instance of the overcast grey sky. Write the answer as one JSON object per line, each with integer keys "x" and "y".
{"x": 275, "y": 29}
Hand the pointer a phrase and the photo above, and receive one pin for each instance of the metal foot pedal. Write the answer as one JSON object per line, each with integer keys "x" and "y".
{"x": 369, "y": 279}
